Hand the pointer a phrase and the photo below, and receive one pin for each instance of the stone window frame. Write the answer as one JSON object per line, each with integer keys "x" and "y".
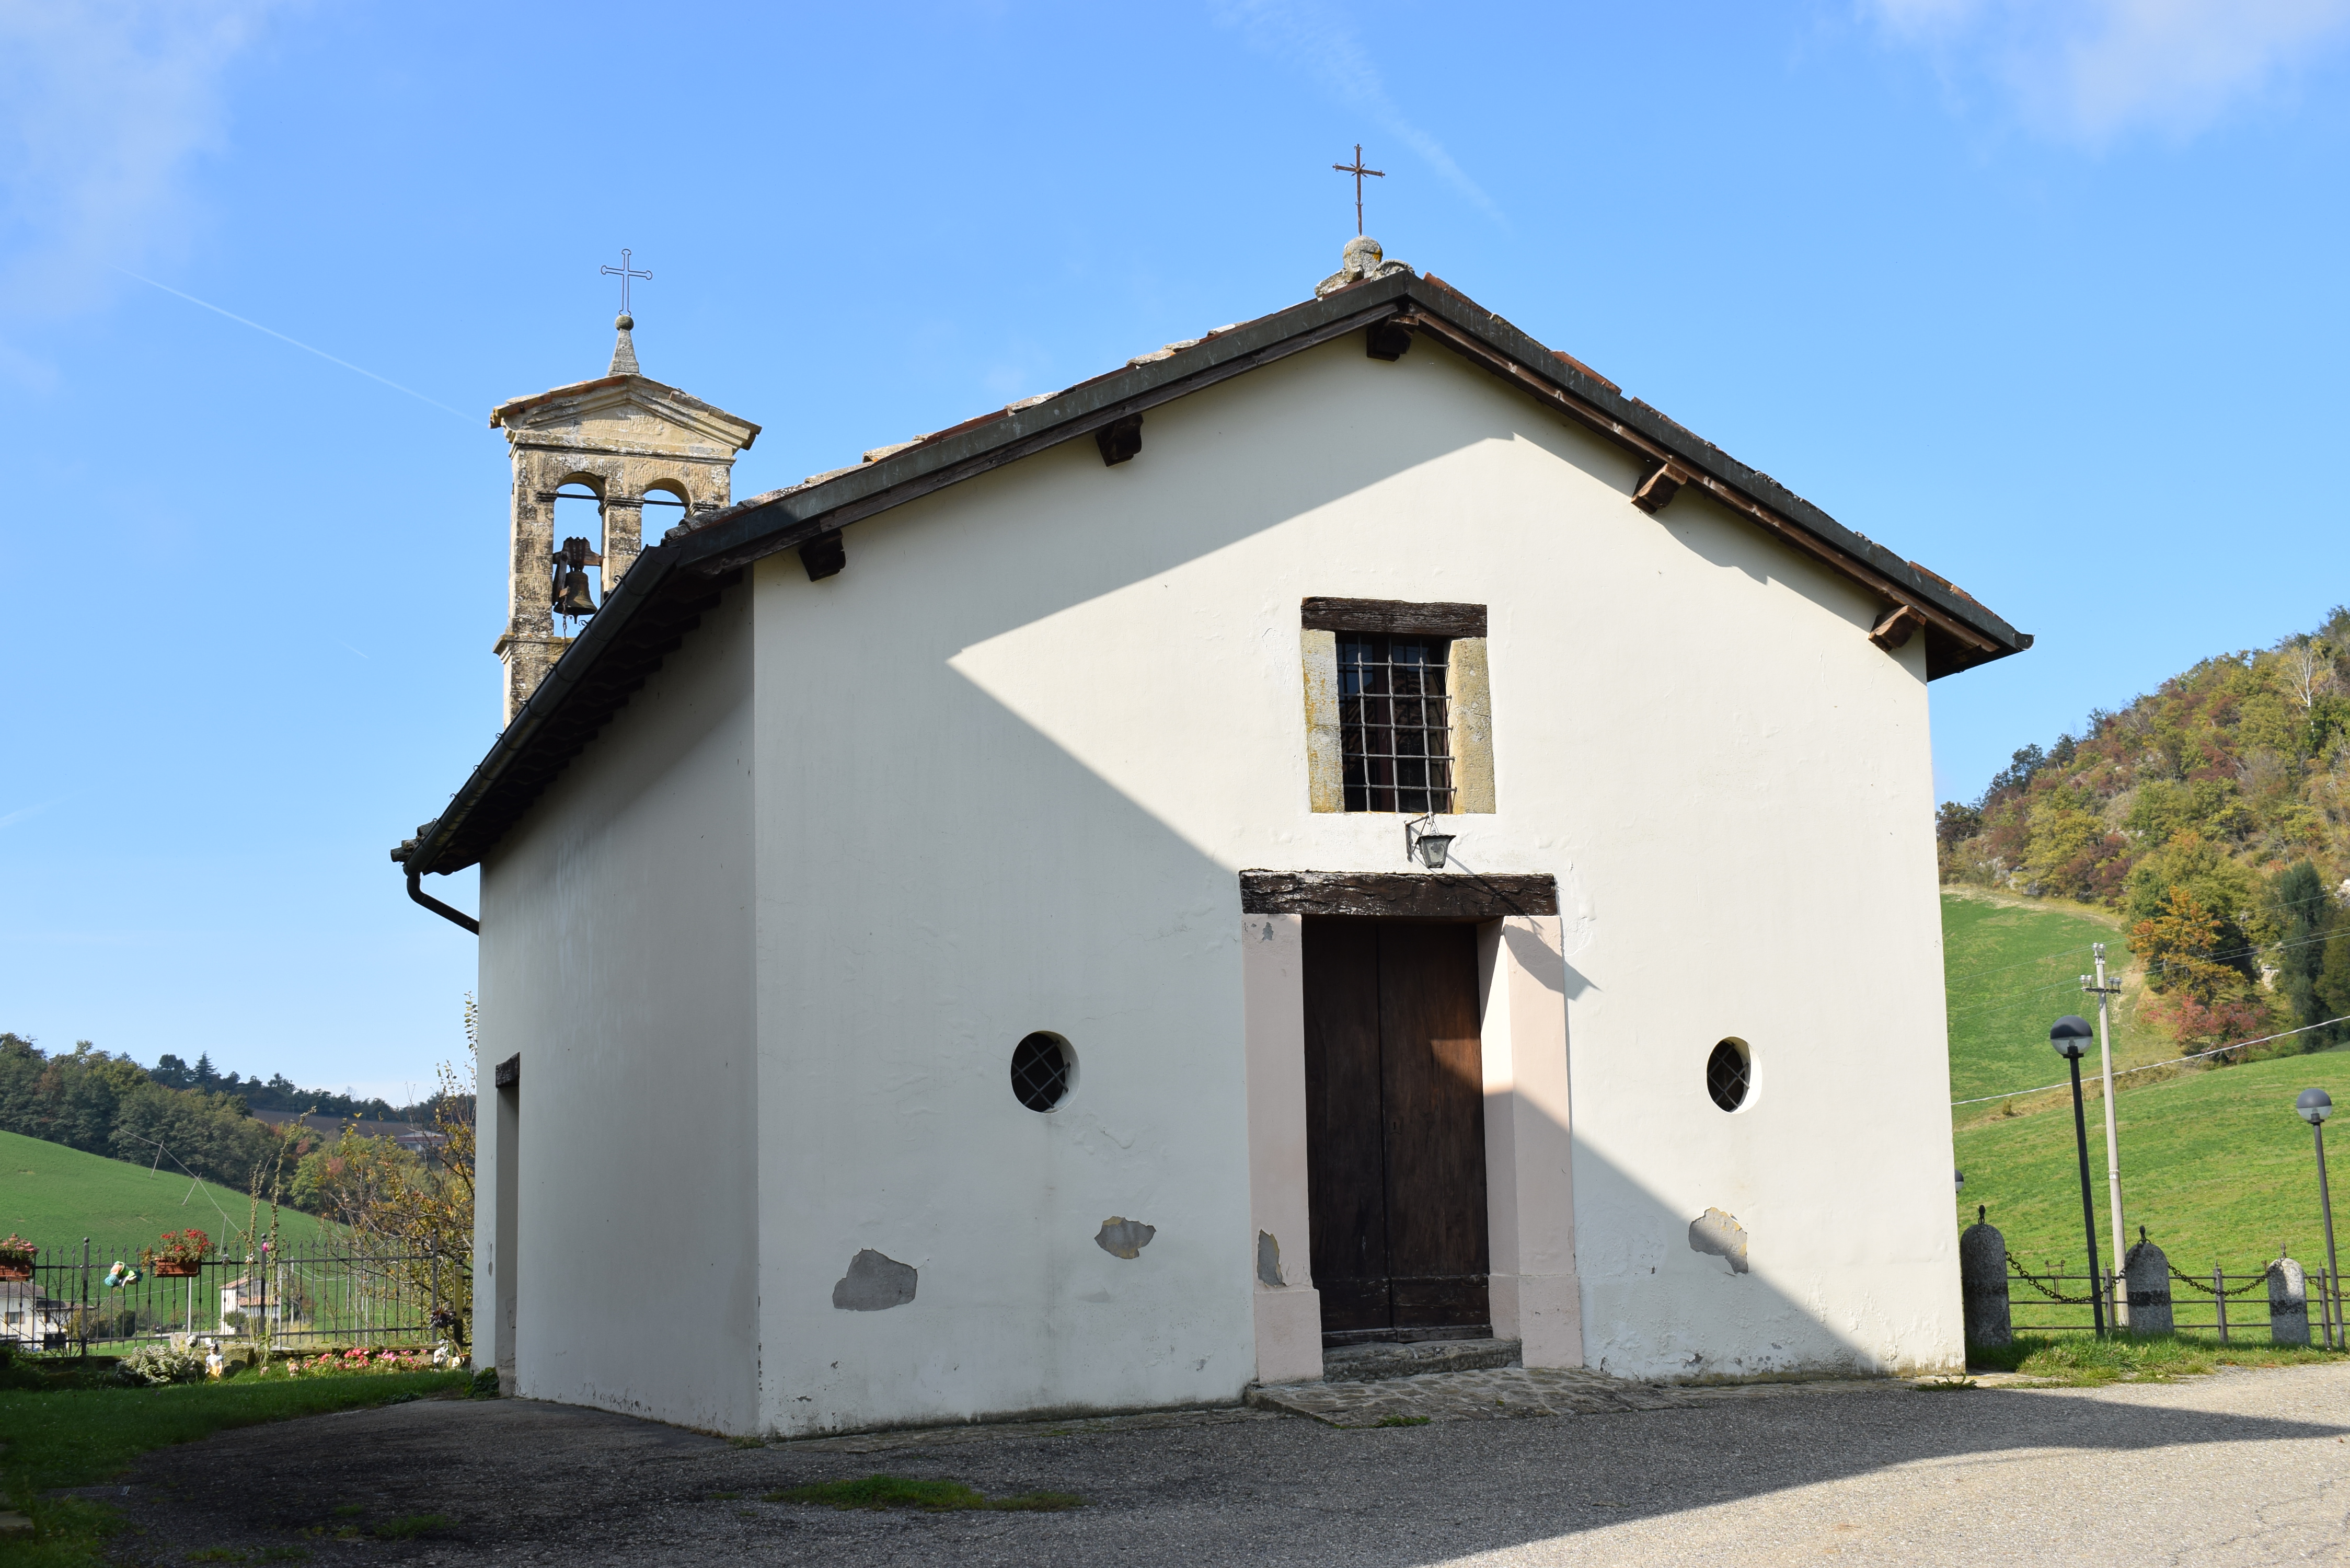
{"x": 1468, "y": 680}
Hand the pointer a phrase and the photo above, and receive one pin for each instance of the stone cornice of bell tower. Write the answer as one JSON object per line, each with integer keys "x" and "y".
{"x": 624, "y": 411}
{"x": 633, "y": 441}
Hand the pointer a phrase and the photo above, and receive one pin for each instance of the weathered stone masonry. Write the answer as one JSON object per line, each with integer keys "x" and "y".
{"x": 624, "y": 436}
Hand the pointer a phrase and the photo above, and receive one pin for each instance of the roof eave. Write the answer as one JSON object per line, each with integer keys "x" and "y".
{"x": 1958, "y": 633}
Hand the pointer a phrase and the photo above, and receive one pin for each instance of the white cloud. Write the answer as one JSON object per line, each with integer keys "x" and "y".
{"x": 102, "y": 108}
{"x": 2091, "y": 71}
{"x": 1316, "y": 38}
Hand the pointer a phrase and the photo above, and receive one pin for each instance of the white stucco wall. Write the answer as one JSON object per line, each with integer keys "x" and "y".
{"x": 1011, "y": 759}
{"x": 616, "y": 958}
{"x": 999, "y": 776}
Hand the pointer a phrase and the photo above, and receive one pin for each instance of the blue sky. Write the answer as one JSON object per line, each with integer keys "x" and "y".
{"x": 2043, "y": 295}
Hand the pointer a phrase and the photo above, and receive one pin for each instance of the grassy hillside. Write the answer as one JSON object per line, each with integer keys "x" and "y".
{"x": 2010, "y": 971}
{"x": 55, "y": 1195}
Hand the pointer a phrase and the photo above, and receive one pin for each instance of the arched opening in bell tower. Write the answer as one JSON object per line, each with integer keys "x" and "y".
{"x": 666, "y": 505}
{"x": 577, "y": 575}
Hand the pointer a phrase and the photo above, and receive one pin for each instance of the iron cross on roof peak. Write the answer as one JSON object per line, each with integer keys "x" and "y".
{"x": 1357, "y": 170}
{"x": 624, "y": 272}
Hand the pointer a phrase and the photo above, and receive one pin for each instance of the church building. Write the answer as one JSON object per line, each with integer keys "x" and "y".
{"x": 1344, "y": 831}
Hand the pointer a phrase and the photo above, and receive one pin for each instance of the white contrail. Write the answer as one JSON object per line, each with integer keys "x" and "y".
{"x": 1315, "y": 37}
{"x": 298, "y": 343}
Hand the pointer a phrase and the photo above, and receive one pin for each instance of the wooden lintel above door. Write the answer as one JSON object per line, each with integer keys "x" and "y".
{"x": 1447, "y": 896}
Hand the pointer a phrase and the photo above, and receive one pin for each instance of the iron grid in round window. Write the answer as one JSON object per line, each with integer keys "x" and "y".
{"x": 1040, "y": 1071}
{"x": 1727, "y": 1073}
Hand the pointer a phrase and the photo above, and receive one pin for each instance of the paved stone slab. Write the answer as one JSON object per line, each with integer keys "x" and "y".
{"x": 992, "y": 1431}
{"x": 1485, "y": 1395}
{"x": 1490, "y": 1394}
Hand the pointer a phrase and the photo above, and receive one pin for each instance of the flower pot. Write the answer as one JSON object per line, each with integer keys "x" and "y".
{"x": 16, "y": 1268}
{"x": 177, "y": 1269}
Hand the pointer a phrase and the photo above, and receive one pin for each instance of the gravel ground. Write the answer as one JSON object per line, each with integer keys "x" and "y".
{"x": 2241, "y": 1468}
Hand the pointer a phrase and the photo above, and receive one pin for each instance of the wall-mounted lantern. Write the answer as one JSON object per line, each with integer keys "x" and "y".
{"x": 1429, "y": 848}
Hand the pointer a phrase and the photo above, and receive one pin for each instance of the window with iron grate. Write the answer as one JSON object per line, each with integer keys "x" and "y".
{"x": 1727, "y": 1073}
{"x": 1042, "y": 1069}
{"x": 1395, "y": 726}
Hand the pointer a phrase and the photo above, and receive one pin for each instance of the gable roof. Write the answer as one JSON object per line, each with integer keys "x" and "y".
{"x": 663, "y": 596}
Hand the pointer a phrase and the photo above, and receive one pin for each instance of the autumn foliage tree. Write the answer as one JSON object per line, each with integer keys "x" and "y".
{"x": 2202, "y": 998}
{"x": 398, "y": 1206}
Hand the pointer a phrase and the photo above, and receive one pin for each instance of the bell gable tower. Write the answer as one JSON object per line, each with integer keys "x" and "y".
{"x": 630, "y": 445}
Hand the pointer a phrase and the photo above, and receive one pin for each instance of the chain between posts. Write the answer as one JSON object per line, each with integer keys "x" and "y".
{"x": 2045, "y": 1289}
{"x": 2028, "y": 1278}
{"x": 2256, "y": 1281}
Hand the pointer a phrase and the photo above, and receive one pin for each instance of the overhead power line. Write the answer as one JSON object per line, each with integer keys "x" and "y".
{"x": 2150, "y": 1066}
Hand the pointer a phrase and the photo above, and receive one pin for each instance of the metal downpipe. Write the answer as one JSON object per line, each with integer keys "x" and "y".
{"x": 416, "y": 892}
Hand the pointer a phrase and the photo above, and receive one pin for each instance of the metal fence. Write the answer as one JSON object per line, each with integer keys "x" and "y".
{"x": 2238, "y": 1304}
{"x": 297, "y": 1297}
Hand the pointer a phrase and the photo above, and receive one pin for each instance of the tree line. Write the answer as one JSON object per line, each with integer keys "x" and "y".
{"x": 99, "y": 1102}
{"x": 188, "y": 1119}
{"x": 280, "y": 1092}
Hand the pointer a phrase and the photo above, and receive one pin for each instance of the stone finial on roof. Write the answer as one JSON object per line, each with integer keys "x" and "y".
{"x": 1361, "y": 260}
{"x": 624, "y": 352}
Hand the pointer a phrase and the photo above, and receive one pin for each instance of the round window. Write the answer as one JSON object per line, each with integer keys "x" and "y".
{"x": 1042, "y": 1068}
{"x": 1728, "y": 1072}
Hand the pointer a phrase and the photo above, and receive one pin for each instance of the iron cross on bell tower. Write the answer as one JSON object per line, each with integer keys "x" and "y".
{"x": 624, "y": 272}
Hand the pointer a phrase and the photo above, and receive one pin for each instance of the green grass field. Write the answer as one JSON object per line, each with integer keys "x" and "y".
{"x": 55, "y": 1195}
{"x": 2009, "y": 973}
{"x": 2215, "y": 1164}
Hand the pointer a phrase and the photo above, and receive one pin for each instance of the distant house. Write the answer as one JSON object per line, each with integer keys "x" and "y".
{"x": 249, "y": 1293}
{"x": 30, "y": 1319}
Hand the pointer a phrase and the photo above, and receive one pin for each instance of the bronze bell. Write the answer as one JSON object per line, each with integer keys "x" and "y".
{"x": 574, "y": 599}
{"x": 571, "y": 598}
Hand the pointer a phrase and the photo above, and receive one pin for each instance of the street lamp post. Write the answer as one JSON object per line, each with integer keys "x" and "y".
{"x": 2315, "y": 1105}
{"x": 2070, "y": 1039}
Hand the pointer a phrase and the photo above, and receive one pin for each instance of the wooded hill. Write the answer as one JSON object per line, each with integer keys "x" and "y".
{"x": 2214, "y": 816}
{"x": 175, "y": 1117}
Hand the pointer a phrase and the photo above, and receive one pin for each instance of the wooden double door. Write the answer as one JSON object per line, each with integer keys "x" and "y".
{"x": 1394, "y": 1128}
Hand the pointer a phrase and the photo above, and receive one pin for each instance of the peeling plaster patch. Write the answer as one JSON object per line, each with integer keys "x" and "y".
{"x": 1124, "y": 1238}
{"x": 1268, "y": 1260}
{"x": 1720, "y": 1236}
{"x": 874, "y": 1283}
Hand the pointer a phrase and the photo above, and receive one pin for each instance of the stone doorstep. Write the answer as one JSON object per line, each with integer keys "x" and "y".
{"x": 1378, "y": 1362}
{"x": 14, "y": 1524}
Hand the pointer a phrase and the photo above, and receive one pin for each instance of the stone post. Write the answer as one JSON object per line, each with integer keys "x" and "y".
{"x": 2288, "y": 1304}
{"x": 1982, "y": 1282}
{"x": 2145, "y": 1275}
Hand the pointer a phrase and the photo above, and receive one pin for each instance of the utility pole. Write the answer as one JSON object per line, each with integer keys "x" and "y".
{"x": 2104, "y": 993}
